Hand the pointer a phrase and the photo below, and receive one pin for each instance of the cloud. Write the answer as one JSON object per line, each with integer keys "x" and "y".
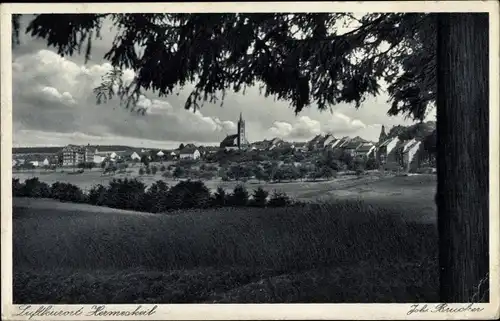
{"x": 46, "y": 81}
{"x": 52, "y": 93}
{"x": 303, "y": 128}
{"x": 340, "y": 124}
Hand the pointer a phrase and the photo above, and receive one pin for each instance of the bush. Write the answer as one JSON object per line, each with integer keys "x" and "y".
{"x": 189, "y": 194}
{"x": 279, "y": 199}
{"x": 125, "y": 194}
{"x": 372, "y": 163}
{"x": 17, "y": 188}
{"x": 66, "y": 192}
{"x": 179, "y": 172}
{"x": 97, "y": 195}
{"x": 260, "y": 197}
{"x": 148, "y": 171}
{"x": 220, "y": 197}
{"x": 163, "y": 168}
{"x": 239, "y": 197}
{"x": 359, "y": 172}
{"x": 141, "y": 171}
{"x": 156, "y": 199}
{"x": 154, "y": 169}
{"x": 34, "y": 188}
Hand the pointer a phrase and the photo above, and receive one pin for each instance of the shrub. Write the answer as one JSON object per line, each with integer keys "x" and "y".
{"x": 17, "y": 188}
{"x": 125, "y": 194}
{"x": 66, "y": 192}
{"x": 141, "y": 171}
{"x": 179, "y": 172}
{"x": 372, "y": 163}
{"x": 156, "y": 199}
{"x": 279, "y": 199}
{"x": 260, "y": 197}
{"x": 163, "y": 168}
{"x": 154, "y": 169}
{"x": 97, "y": 195}
{"x": 220, "y": 197}
{"x": 205, "y": 175}
{"x": 189, "y": 194}
{"x": 34, "y": 188}
{"x": 239, "y": 197}
{"x": 148, "y": 171}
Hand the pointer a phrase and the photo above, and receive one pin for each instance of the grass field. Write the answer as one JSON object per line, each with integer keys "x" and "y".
{"x": 340, "y": 251}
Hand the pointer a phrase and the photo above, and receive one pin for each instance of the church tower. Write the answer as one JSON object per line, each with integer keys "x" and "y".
{"x": 383, "y": 135}
{"x": 241, "y": 132}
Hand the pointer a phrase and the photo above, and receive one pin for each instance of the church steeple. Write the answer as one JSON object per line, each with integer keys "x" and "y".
{"x": 383, "y": 135}
{"x": 241, "y": 132}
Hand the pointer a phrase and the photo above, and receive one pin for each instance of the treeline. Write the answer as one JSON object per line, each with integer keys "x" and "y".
{"x": 322, "y": 166}
{"x": 132, "y": 194}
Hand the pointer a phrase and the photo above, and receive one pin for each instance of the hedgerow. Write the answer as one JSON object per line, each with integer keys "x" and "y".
{"x": 132, "y": 194}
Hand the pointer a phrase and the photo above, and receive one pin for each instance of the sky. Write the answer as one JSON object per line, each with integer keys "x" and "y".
{"x": 54, "y": 105}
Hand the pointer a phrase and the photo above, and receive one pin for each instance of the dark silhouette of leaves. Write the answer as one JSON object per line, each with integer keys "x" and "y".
{"x": 301, "y": 58}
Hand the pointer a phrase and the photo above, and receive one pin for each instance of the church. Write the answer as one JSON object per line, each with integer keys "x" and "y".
{"x": 236, "y": 141}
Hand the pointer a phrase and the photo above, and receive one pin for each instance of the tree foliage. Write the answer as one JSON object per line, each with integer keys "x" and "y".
{"x": 303, "y": 58}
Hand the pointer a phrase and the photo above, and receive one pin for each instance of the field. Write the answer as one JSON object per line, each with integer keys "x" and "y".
{"x": 373, "y": 186}
{"x": 383, "y": 249}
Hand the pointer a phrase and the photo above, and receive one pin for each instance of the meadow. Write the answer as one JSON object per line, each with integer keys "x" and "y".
{"x": 341, "y": 250}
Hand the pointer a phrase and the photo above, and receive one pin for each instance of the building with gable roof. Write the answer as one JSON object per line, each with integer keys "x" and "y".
{"x": 236, "y": 141}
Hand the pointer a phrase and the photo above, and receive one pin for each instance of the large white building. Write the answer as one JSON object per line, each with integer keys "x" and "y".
{"x": 74, "y": 155}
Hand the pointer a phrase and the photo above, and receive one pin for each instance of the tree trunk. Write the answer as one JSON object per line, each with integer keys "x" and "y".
{"x": 463, "y": 156}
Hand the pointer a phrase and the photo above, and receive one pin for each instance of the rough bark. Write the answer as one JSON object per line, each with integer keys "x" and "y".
{"x": 463, "y": 156}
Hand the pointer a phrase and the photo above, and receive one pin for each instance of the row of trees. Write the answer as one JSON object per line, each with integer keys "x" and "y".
{"x": 132, "y": 194}
{"x": 324, "y": 166}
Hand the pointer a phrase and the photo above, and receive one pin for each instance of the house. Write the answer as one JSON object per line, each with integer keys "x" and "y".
{"x": 262, "y": 145}
{"x": 274, "y": 143}
{"x": 299, "y": 146}
{"x": 388, "y": 153}
{"x": 135, "y": 157}
{"x": 365, "y": 150}
{"x": 340, "y": 143}
{"x": 189, "y": 153}
{"x": 328, "y": 139}
{"x": 350, "y": 148}
{"x": 410, "y": 151}
{"x": 316, "y": 142}
{"x": 98, "y": 159}
{"x": 351, "y": 145}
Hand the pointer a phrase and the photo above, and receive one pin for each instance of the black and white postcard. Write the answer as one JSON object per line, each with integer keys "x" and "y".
{"x": 239, "y": 160}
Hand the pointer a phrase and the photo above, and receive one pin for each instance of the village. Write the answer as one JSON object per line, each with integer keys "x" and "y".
{"x": 389, "y": 153}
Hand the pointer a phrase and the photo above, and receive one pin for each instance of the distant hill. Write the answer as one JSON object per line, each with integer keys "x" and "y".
{"x": 36, "y": 150}
{"x": 57, "y": 149}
